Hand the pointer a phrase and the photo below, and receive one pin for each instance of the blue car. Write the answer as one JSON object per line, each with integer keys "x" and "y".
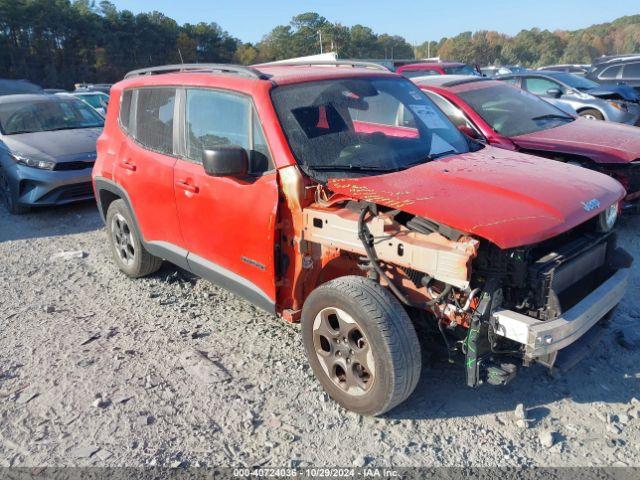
{"x": 47, "y": 150}
{"x": 614, "y": 103}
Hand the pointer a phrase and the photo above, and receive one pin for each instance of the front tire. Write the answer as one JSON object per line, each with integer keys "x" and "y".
{"x": 591, "y": 114}
{"x": 9, "y": 198}
{"x": 361, "y": 344}
{"x": 126, "y": 246}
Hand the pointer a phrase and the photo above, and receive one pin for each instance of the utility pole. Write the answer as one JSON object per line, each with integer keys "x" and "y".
{"x": 429, "y": 49}
{"x": 320, "y": 35}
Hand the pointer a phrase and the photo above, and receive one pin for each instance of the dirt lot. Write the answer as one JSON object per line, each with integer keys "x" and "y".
{"x": 97, "y": 369}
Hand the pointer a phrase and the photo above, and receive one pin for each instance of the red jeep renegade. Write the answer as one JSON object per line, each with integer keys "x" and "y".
{"x": 340, "y": 196}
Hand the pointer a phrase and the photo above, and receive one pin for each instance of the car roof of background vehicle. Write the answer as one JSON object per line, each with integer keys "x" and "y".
{"x": 447, "y": 81}
{"x": 428, "y": 65}
{"x": 10, "y": 86}
{"x": 29, "y": 97}
{"x": 86, "y": 93}
{"x": 563, "y": 65}
{"x": 607, "y": 60}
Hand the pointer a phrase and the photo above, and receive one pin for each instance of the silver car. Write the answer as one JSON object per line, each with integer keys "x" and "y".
{"x": 47, "y": 150}
{"x": 590, "y": 100}
{"x": 96, "y": 99}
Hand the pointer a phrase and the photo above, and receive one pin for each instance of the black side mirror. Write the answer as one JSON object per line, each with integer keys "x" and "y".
{"x": 554, "y": 92}
{"x": 225, "y": 161}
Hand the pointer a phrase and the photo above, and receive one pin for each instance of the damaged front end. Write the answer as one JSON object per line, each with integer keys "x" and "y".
{"x": 496, "y": 307}
{"x": 547, "y": 302}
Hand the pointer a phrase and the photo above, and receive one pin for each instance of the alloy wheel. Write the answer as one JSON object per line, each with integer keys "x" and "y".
{"x": 123, "y": 239}
{"x": 343, "y": 351}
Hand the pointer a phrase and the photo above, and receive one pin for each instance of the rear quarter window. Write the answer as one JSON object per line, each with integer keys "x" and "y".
{"x": 125, "y": 110}
{"x": 631, "y": 70}
{"x": 146, "y": 114}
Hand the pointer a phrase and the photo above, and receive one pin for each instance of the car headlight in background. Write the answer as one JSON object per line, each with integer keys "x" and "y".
{"x": 619, "y": 105}
{"x": 30, "y": 162}
{"x": 608, "y": 218}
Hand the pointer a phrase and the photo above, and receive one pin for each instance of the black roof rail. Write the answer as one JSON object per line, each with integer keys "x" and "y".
{"x": 336, "y": 63}
{"x": 200, "y": 67}
{"x": 615, "y": 58}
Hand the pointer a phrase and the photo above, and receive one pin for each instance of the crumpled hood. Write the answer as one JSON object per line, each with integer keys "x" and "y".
{"x": 507, "y": 198}
{"x": 624, "y": 92}
{"x": 602, "y": 142}
{"x": 56, "y": 146}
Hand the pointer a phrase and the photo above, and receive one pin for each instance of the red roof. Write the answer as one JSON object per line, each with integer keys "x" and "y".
{"x": 278, "y": 74}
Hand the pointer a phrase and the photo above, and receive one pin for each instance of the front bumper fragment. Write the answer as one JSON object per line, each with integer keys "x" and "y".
{"x": 544, "y": 338}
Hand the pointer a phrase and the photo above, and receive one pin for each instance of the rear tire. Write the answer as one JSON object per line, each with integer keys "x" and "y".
{"x": 361, "y": 344}
{"x": 126, "y": 246}
{"x": 8, "y": 197}
{"x": 591, "y": 114}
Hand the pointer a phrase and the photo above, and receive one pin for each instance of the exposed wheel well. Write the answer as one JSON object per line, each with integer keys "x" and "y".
{"x": 580, "y": 110}
{"x": 106, "y": 198}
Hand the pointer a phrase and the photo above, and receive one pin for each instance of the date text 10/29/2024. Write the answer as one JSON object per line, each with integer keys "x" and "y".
{"x": 316, "y": 472}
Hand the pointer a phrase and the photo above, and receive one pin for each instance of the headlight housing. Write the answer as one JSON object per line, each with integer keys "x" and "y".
{"x": 619, "y": 105}
{"x": 608, "y": 218}
{"x": 30, "y": 162}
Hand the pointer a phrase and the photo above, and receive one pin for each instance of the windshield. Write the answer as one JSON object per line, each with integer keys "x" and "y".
{"x": 97, "y": 100}
{"x": 461, "y": 70}
{"x": 364, "y": 125}
{"x": 511, "y": 111}
{"x": 574, "y": 81}
{"x": 30, "y": 116}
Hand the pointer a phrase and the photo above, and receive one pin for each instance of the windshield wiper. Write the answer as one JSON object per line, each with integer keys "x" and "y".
{"x": 551, "y": 116}
{"x": 433, "y": 156}
{"x": 18, "y": 132}
{"x": 71, "y": 128}
{"x": 356, "y": 168}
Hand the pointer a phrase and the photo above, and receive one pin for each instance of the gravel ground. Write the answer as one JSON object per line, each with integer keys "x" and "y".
{"x": 97, "y": 369}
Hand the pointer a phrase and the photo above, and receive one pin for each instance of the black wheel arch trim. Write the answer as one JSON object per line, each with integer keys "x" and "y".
{"x": 185, "y": 259}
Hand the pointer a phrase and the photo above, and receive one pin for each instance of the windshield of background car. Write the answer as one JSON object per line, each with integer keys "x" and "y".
{"x": 367, "y": 125}
{"x": 418, "y": 73}
{"x": 98, "y": 100}
{"x": 30, "y": 116}
{"x": 460, "y": 70}
{"x": 511, "y": 111}
{"x": 579, "y": 83}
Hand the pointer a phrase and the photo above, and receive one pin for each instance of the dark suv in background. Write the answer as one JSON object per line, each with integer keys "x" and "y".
{"x": 616, "y": 70}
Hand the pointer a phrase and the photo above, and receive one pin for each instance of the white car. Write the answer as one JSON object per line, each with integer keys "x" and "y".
{"x": 97, "y": 100}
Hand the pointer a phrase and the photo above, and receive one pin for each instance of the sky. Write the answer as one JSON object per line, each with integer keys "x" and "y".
{"x": 416, "y": 20}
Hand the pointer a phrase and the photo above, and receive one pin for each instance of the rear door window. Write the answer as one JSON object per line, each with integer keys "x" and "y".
{"x": 611, "y": 72}
{"x": 154, "y": 118}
